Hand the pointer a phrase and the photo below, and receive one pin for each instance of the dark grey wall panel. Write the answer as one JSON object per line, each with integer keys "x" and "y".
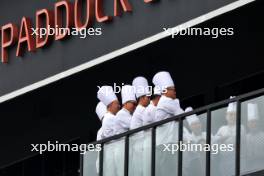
{"x": 145, "y": 20}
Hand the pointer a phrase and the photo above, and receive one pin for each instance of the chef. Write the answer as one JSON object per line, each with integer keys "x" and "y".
{"x": 124, "y": 116}
{"x": 149, "y": 116}
{"x": 168, "y": 106}
{"x": 107, "y": 96}
{"x": 228, "y": 132}
{"x": 195, "y": 159}
{"x": 100, "y": 111}
{"x": 255, "y": 139}
{"x": 197, "y": 136}
{"x": 227, "y": 135}
{"x": 140, "y": 84}
{"x": 123, "y": 119}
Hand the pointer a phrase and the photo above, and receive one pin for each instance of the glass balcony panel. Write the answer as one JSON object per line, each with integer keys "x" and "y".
{"x": 252, "y": 151}
{"x": 114, "y": 158}
{"x": 194, "y": 158}
{"x": 223, "y": 146}
{"x": 140, "y": 154}
{"x": 166, "y": 155}
{"x": 223, "y": 141}
{"x": 91, "y": 163}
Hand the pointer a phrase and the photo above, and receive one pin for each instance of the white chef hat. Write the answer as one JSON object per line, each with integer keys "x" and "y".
{"x": 253, "y": 113}
{"x": 141, "y": 86}
{"x": 157, "y": 91}
{"x": 100, "y": 110}
{"x": 128, "y": 94}
{"x": 106, "y": 95}
{"x": 163, "y": 80}
{"x": 192, "y": 118}
{"x": 232, "y": 107}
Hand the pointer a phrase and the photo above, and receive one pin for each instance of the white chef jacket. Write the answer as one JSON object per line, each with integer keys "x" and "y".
{"x": 123, "y": 119}
{"x": 99, "y": 134}
{"x": 108, "y": 126}
{"x": 195, "y": 139}
{"x": 149, "y": 114}
{"x": 255, "y": 145}
{"x": 227, "y": 135}
{"x": 166, "y": 108}
{"x": 109, "y": 129}
{"x": 254, "y": 151}
{"x": 137, "y": 118}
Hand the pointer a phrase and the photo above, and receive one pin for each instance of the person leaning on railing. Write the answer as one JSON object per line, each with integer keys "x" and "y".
{"x": 143, "y": 96}
{"x": 168, "y": 106}
{"x": 196, "y": 160}
{"x": 124, "y": 116}
{"x": 123, "y": 119}
{"x": 107, "y": 96}
{"x": 226, "y": 135}
{"x": 100, "y": 111}
{"x": 150, "y": 112}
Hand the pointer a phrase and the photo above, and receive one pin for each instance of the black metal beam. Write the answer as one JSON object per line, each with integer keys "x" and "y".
{"x": 153, "y": 151}
{"x": 208, "y": 141}
{"x": 238, "y": 138}
{"x": 81, "y": 164}
{"x": 126, "y": 157}
{"x": 101, "y": 161}
{"x": 180, "y": 137}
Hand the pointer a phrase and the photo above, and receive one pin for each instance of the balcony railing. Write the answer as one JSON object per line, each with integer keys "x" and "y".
{"x": 142, "y": 151}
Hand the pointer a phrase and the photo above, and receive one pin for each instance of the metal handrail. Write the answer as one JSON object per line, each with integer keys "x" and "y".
{"x": 182, "y": 116}
{"x": 179, "y": 118}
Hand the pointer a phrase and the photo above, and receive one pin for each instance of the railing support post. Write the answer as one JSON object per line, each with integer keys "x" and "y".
{"x": 208, "y": 141}
{"x": 180, "y": 137}
{"x": 153, "y": 151}
{"x": 238, "y": 138}
{"x": 101, "y": 161}
{"x": 126, "y": 157}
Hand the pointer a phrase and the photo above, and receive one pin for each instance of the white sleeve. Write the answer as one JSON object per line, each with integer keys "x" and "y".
{"x": 148, "y": 116}
{"x": 99, "y": 134}
{"x": 123, "y": 121}
{"x": 108, "y": 128}
{"x": 168, "y": 109}
{"x": 161, "y": 114}
{"x": 178, "y": 109}
{"x": 136, "y": 121}
{"x": 219, "y": 135}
